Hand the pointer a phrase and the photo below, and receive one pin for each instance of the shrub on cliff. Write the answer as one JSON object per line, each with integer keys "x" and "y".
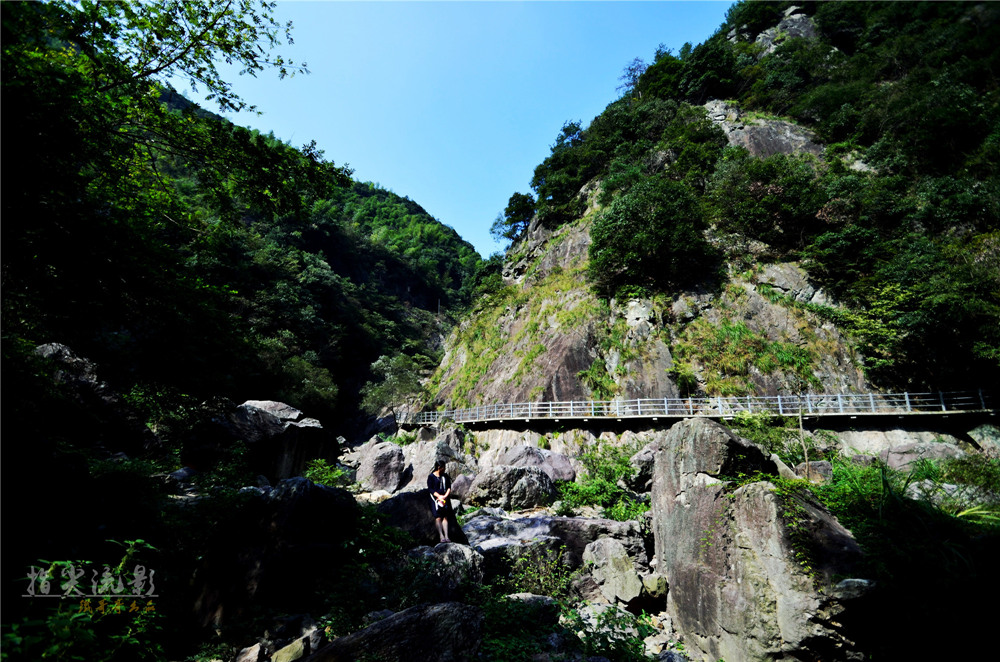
{"x": 651, "y": 237}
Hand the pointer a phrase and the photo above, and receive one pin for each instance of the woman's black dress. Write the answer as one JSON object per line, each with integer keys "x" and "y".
{"x": 440, "y": 485}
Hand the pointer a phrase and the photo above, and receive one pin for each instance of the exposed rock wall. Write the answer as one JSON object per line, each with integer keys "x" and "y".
{"x": 547, "y": 338}
{"x": 759, "y": 136}
{"x": 736, "y": 588}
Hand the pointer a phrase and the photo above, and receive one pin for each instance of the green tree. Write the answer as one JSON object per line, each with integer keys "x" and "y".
{"x": 650, "y": 237}
{"x": 773, "y": 199}
{"x": 397, "y": 380}
{"x": 515, "y": 218}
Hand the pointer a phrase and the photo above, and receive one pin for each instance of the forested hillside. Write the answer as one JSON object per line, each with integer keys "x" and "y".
{"x": 186, "y": 256}
{"x": 189, "y": 265}
{"x": 894, "y": 214}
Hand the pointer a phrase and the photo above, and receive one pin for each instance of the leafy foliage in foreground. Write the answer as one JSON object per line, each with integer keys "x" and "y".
{"x": 607, "y": 468}
{"x": 186, "y": 255}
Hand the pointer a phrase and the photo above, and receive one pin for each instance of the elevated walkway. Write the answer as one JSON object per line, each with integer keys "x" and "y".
{"x": 808, "y": 405}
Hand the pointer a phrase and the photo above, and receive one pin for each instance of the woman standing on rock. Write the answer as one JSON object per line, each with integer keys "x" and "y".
{"x": 439, "y": 485}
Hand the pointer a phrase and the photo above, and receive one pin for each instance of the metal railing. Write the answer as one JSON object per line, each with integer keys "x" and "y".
{"x": 808, "y": 404}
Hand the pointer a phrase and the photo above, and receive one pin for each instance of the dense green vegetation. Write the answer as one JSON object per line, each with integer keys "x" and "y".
{"x": 197, "y": 264}
{"x": 908, "y": 242}
{"x": 185, "y": 255}
{"x": 604, "y": 484}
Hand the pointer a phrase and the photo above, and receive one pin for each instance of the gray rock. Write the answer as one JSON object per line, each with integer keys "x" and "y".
{"x": 556, "y": 465}
{"x": 512, "y": 488}
{"x": 736, "y": 589}
{"x": 655, "y": 585}
{"x": 791, "y": 280}
{"x": 792, "y": 26}
{"x": 381, "y": 467}
{"x": 251, "y": 654}
{"x": 452, "y": 565}
{"x": 491, "y": 530}
{"x": 959, "y": 497}
{"x": 986, "y": 436}
{"x": 903, "y": 456}
{"x": 643, "y": 462}
{"x": 444, "y": 632}
{"x": 460, "y": 487}
{"x": 762, "y": 137}
{"x": 613, "y": 571}
{"x": 493, "y": 444}
{"x": 411, "y": 512}
{"x": 818, "y": 472}
{"x": 878, "y": 442}
{"x": 281, "y": 439}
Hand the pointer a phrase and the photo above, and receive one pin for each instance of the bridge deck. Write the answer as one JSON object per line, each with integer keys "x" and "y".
{"x": 809, "y": 405}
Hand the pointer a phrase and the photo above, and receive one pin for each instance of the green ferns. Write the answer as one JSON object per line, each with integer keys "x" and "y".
{"x": 730, "y": 352}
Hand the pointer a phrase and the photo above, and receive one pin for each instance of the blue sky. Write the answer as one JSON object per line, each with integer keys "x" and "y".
{"x": 454, "y": 103}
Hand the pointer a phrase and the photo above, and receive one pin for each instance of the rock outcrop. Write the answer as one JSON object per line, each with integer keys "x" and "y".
{"x": 280, "y": 438}
{"x": 555, "y": 465}
{"x": 381, "y": 467}
{"x": 612, "y": 570}
{"x": 454, "y": 567}
{"x": 258, "y": 553}
{"x": 444, "y": 632}
{"x": 759, "y": 136}
{"x": 794, "y": 25}
{"x": 732, "y": 555}
{"x": 512, "y": 488}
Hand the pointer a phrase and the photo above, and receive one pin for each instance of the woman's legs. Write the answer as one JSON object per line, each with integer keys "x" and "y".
{"x": 442, "y": 529}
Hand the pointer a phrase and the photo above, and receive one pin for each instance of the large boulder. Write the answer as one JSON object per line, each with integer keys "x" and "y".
{"x": 512, "y": 488}
{"x": 257, "y": 553}
{"x": 503, "y": 539}
{"x": 281, "y": 439}
{"x": 556, "y": 465}
{"x": 612, "y": 569}
{"x": 884, "y": 442}
{"x": 444, "y": 632}
{"x": 738, "y": 589}
{"x": 454, "y": 567}
{"x": 494, "y": 443}
{"x": 642, "y": 464}
{"x": 903, "y": 456}
{"x": 411, "y": 512}
{"x": 381, "y": 467}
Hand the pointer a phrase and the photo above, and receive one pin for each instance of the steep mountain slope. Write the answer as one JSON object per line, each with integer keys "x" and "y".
{"x": 189, "y": 257}
{"x": 691, "y": 241}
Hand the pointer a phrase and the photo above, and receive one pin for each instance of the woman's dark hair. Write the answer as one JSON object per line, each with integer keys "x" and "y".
{"x": 439, "y": 464}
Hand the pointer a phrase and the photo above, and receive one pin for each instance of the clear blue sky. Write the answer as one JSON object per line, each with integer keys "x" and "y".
{"x": 454, "y": 103}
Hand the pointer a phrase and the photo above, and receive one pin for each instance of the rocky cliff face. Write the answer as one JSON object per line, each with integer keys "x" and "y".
{"x": 546, "y": 337}
{"x": 530, "y": 341}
